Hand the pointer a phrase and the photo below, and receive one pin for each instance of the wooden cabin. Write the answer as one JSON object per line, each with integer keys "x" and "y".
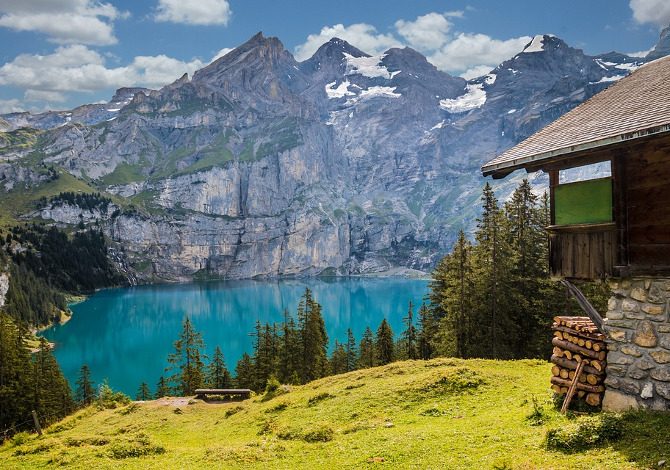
{"x": 612, "y": 221}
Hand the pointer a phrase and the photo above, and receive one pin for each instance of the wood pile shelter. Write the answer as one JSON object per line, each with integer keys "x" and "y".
{"x": 616, "y": 226}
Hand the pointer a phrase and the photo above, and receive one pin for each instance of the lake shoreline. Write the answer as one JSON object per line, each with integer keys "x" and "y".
{"x": 141, "y": 324}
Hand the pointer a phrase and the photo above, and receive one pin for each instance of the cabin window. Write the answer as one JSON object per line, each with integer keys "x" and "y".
{"x": 584, "y": 195}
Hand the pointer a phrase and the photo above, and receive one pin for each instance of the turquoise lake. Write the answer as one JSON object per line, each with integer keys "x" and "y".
{"x": 126, "y": 334}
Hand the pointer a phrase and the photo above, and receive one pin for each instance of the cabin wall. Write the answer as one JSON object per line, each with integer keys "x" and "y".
{"x": 638, "y": 331}
{"x": 647, "y": 175}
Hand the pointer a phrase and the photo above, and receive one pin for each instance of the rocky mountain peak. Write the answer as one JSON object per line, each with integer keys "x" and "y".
{"x": 330, "y": 56}
{"x": 662, "y": 47}
{"x": 259, "y": 52}
{"x": 126, "y": 94}
{"x": 544, "y": 43}
{"x": 548, "y": 54}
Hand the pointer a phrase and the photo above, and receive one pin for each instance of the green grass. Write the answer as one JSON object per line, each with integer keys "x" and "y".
{"x": 19, "y": 139}
{"x": 124, "y": 173}
{"x": 443, "y": 413}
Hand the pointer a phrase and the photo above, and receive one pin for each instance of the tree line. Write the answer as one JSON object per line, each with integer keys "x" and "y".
{"x": 29, "y": 382}
{"x": 44, "y": 263}
{"x": 294, "y": 351}
{"x": 493, "y": 298}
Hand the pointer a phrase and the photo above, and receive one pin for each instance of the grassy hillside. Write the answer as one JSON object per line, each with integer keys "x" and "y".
{"x": 443, "y": 413}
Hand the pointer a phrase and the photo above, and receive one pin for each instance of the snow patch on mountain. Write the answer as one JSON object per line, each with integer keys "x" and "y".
{"x": 339, "y": 91}
{"x": 608, "y": 79}
{"x": 536, "y": 45}
{"x": 379, "y": 91}
{"x": 370, "y": 67}
{"x": 474, "y": 97}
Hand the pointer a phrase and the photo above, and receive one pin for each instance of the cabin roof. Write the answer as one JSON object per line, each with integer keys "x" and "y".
{"x": 636, "y": 106}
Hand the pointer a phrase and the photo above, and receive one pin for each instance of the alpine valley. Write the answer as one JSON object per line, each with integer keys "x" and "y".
{"x": 262, "y": 166}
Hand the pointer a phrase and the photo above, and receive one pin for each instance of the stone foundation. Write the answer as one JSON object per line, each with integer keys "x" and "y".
{"x": 638, "y": 332}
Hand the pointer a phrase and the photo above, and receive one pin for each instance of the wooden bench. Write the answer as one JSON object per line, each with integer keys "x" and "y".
{"x": 241, "y": 393}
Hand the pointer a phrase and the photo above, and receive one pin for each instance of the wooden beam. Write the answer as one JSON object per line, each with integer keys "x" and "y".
{"x": 553, "y": 182}
{"x": 620, "y": 205}
{"x": 573, "y": 388}
{"x": 583, "y": 302}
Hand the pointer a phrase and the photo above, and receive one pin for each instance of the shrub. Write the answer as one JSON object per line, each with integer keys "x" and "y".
{"x": 318, "y": 398}
{"x": 20, "y": 438}
{"x": 584, "y": 434}
{"x": 136, "y": 447}
{"x": 538, "y": 416}
{"x": 321, "y": 433}
{"x": 231, "y": 411}
{"x": 272, "y": 384}
{"x": 109, "y": 399}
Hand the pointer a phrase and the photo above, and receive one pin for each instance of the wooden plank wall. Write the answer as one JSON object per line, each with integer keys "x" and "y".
{"x": 647, "y": 173}
{"x": 582, "y": 252}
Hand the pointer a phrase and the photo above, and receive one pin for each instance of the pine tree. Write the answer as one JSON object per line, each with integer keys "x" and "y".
{"x": 85, "y": 393}
{"x": 366, "y": 350}
{"x": 51, "y": 397}
{"x": 338, "y": 360}
{"x": 459, "y": 333}
{"x": 244, "y": 372}
{"x": 162, "y": 388}
{"x": 425, "y": 332}
{"x": 313, "y": 337}
{"x": 384, "y": 343}
{"x": 493, "y": 308}
{"x": 351, "y": 351}
{"x": 217, "y": 373}
{"x": 143, "y": 393}
{"x": 290, "y": 355}
{"x": 410, "y": 334}
{"x": 187, "y": 361}
{"x": 15, "y": 377}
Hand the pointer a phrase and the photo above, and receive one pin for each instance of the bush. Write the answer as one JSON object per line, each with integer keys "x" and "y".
{"x": 584, "y": 434}
{"x": 137, "y": 447}
{"x": 231, "y": 411}
{"x": 318, "y": 398}
{"x": 109, "y": 399}
{"x": 20, "y": 438}
{"x": 322, "y": 433}
{"x": 272, "y": 385}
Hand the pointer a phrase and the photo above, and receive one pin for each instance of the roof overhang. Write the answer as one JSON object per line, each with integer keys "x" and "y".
{"x": 536, "y": 161}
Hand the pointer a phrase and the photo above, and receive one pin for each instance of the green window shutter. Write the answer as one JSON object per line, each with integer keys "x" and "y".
{"x": 583, "y": 202}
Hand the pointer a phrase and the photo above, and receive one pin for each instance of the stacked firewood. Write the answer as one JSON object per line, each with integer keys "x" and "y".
{"x": 577, "y": 340}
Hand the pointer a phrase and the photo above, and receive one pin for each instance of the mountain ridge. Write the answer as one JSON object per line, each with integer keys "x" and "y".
{"x": 262, "y": 166}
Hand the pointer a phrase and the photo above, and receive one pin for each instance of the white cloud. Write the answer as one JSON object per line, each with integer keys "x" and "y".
{"x": 156, "y": 71}
{"x": 76, "y": 68}
{"x": 426, "y": 32}
{"x": 360, "y": 35}
{"x": 11, "y": 106}
{"x": 40, "y": 95}
{"x": 466, "y": 54}
{"x": 656, "y": 12}
{"x": 63, "y": 21}
{"x": 194, "y": 12}
{"x": 476, "y": 71}
{"x": 470, "y": 52}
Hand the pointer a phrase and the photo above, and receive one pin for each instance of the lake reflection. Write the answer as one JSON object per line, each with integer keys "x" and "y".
{"x": 125, "y": 335}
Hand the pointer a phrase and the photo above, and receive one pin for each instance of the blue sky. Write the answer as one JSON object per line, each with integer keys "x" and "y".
{"x": 57, "y": 54}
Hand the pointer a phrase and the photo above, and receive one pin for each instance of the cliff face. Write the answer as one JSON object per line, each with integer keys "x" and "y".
{"x": 263, "y": 166}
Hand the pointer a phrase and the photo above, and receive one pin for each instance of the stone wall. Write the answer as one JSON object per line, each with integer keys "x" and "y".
{"x": 638, "y": 331}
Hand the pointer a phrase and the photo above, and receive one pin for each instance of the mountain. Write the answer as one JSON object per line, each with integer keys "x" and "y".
{"x": 261, "y": 166}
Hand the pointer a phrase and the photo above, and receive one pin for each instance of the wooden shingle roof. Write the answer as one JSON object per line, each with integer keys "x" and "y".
{"x": 634, "y": 107}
